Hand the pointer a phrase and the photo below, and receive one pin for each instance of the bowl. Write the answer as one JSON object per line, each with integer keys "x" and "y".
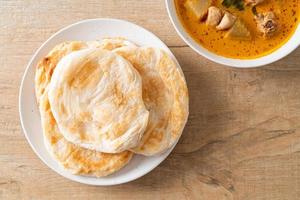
{"x": 276, "y": 55}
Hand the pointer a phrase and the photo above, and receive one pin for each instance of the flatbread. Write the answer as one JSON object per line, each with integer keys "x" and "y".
{"x": 165, "y": 95}
{"x": 76, "y": 159}
{"x": 96, "y": 99}
{"x": 114, "y": 43}
{"x": 47, "y": 65}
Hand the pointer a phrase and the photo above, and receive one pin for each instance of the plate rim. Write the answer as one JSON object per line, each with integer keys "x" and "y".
{"x": 21, "y": 93}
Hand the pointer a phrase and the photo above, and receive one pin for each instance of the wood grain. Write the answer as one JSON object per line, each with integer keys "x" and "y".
{"x": 242, "y": 140}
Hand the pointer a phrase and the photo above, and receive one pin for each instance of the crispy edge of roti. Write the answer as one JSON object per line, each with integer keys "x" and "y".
{"x": 73, "y": 158}
{"x": 47, "y": 64}
{"x": 173, "y": 78}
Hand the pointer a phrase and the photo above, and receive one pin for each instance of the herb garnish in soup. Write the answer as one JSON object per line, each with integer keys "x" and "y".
{"x": 240, "y": 28}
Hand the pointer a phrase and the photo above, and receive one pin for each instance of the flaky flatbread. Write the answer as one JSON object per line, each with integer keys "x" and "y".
{"x": 96, "y": 99}
{"x": 76, "y": 159}
{"x": 165, "y": 95}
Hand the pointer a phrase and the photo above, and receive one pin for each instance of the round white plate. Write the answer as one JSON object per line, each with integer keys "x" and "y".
{"x": 92, "y": 29}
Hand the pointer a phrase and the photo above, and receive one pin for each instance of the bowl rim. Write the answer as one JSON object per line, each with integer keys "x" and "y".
{"x": 290, "y": 45}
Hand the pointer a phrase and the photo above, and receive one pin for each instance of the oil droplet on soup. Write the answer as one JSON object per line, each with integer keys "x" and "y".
{"x": 287, "y": 17}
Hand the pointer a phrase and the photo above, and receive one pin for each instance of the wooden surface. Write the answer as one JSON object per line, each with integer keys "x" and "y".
{"x": 242, "y": 140}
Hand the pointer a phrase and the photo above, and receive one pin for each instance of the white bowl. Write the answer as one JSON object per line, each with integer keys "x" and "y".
{"x": 29, "y": 115}
{"x": 283, "y": 51}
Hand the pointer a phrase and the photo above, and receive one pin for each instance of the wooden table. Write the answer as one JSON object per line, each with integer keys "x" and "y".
{"x": 242, "y": 140}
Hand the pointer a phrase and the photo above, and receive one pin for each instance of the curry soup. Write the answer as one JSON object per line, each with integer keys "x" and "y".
{"x": 287, "y": 18}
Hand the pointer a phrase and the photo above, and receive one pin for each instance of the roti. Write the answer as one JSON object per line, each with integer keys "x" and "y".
{"x": 165, "y": 95}
{"x": 96, "y": 99}
{"x": 72, "y": 157}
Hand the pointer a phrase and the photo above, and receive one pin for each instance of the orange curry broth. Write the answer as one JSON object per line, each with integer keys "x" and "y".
{"x": 286, "y": 11}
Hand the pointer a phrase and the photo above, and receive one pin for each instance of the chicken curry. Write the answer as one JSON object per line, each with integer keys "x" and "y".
{"x": 239, "y": 28}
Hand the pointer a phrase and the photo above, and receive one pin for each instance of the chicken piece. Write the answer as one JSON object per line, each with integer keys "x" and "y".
{"x": 226, "y": 22}
{"x": 198, "y": 7}
{"x": 266, "y": 23}
{"x": 239, "y": 31}
{"x": 214, "y": 16}
{"x": 253, "y": 2}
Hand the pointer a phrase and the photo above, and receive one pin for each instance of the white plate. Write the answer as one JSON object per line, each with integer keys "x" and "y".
{"x": 86, "y": 30}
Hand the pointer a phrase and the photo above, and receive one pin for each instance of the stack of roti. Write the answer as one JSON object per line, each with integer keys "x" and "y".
{"x": 103, "y": 101}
